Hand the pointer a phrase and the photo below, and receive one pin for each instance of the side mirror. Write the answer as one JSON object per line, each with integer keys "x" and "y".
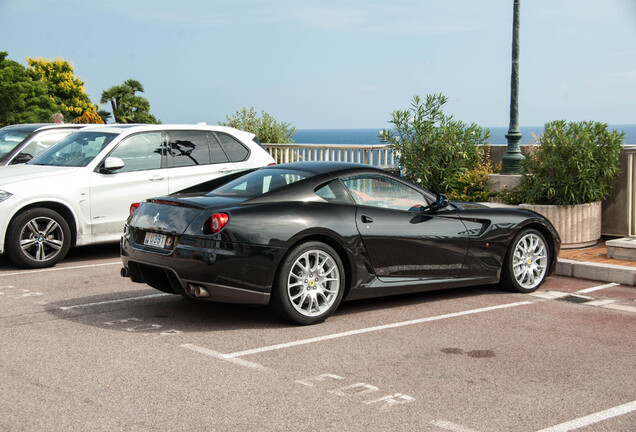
{"x": 441, "y": 202}
{"x": 112, "y": 164}
{"x": 21, "y": 158}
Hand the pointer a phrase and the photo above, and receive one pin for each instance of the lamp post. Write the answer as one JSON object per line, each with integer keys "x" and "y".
{"x": 511, "y": 163}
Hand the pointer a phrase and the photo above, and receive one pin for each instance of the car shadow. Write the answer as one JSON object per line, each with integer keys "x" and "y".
{"x": 424, "y": 298}
{"x": 153, "y": 312}
{"x": 81, "y": 254}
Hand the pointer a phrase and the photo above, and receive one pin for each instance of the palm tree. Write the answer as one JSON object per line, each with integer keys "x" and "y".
{"x": 127, "y": 107}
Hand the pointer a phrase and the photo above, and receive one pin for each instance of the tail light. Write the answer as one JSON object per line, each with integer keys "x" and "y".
{"x": 218, "y": 221}
{"x": 133, "y": 207}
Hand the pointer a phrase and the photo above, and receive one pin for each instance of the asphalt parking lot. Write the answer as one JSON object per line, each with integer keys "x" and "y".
{"x": 83, "y": 349}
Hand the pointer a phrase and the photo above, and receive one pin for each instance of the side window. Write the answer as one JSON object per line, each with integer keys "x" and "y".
{"x": 43, "y": 141}
{"x": 217, "y": 155}
{"x": 140, "y": 152}
{"x": 234, "y": 150}
{"x": 384, "y": 192}
{"x": 334, "y": 192}
{"x": 188, "y": 148}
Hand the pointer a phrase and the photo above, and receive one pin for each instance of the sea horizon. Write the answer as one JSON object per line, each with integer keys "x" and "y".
{"x": 370, "y": 135}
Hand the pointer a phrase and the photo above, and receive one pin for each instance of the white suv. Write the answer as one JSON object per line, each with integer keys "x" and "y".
{"x": 79, "y": 191}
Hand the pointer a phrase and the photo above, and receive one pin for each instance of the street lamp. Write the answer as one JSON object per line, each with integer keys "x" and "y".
{"x": 511, "y": 163}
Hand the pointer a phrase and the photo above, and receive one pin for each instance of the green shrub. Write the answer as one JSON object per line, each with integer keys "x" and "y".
{"x": 575, "y": 163}
{"x": 435, "y": 150}
{"x": 266, "y": 128}
{"x": 471, "y": 184}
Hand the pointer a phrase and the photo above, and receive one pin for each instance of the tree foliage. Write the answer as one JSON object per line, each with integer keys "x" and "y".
{"x": 67, "y": 91}
{"x": 23, "y": 98}
{"x": 88, "y": 118}
{"x": 266, "y": 128}
{"x": 575, "y": 163}
{"x": 126, "y": 105}
{"x": 435, "y": 150}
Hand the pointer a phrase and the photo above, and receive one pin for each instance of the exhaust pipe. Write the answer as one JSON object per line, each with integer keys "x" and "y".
{"x": 196, "y": 291}
{"x": 201, "y": 292}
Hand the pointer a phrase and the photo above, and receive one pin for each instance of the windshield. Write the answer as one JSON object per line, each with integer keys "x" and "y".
{"x": 11, "y": 138}
{"x": 76, "y": 150}
{"x": 259, "y": 182}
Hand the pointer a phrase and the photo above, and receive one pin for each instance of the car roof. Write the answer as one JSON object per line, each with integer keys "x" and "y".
{"x": 132, "y": 128}
{"x": 318, "y": 168}
{"x": 32, "y": 127}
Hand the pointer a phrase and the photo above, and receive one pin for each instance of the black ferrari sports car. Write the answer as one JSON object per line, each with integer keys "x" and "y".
{"x": 302, "y": 237}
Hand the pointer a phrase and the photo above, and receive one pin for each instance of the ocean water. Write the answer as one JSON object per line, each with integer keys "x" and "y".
{"x": 370, "y": 136}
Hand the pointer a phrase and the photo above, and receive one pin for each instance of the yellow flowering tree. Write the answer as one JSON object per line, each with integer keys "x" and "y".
{"x": 65, "y": 89}
{"x": 88, "y": 118}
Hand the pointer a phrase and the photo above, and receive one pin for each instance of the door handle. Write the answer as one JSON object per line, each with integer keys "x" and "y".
{"x": 156, "y": 178}
{"x": 367, "y": 219}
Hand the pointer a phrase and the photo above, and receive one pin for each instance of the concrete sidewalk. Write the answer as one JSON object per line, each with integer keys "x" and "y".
{"x": 593, "y": 263}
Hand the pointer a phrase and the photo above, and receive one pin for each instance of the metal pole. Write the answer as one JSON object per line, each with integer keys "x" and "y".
{"x": 511, "y": 163}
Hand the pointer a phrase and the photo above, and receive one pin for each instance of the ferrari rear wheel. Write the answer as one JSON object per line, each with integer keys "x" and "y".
{"x": 526, "y": 263}
{"x": 310, "y": 284}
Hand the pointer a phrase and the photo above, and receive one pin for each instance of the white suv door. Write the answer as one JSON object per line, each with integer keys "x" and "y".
{"x": 143, "y": 176}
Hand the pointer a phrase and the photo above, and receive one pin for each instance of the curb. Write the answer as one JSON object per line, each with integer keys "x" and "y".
{"x": 623, "y": 275}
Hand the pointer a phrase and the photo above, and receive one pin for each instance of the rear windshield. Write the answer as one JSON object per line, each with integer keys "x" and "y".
{"x": 259, "y": 182}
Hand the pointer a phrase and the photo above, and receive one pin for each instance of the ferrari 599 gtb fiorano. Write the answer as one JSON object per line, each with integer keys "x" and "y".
{"x": 302, "y": 237}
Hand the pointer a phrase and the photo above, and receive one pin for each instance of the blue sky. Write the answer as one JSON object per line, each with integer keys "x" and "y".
{"x": 345, "y": 63}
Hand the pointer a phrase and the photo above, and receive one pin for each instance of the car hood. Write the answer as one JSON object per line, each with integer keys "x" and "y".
{"x": 468, "y": 205}
{"x": 22, "y": 173}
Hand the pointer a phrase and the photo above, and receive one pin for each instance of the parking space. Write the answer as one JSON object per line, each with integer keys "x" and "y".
{"x": 82, "y": 348}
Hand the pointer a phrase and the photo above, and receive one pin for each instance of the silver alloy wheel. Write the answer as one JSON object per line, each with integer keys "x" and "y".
{"x": 41, "y": 239}
{"x": 313, "y": 283}
{"x": 530, "y": 261}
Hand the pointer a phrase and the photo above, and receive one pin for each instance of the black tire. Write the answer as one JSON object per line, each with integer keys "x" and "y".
{"x": 309, "y": 285}
{"x": 527, "y": 261}
{"x": 38, "y": 238}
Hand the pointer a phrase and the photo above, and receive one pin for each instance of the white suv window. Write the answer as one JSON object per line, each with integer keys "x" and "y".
{"x": 43, "y": 140}
{"x": 140, "y": 152}
{"x": 188, "y": 148}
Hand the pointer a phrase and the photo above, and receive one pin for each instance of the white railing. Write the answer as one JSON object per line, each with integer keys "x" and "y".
{"x": 376, "y": 155}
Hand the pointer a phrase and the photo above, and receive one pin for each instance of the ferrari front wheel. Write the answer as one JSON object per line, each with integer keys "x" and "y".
{"x": 526, "y": 263}
{"x": 309, "y": 285}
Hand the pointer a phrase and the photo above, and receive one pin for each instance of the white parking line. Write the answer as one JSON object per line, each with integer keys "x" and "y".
{"x": 596, "y": 288}
{"x": 593, "y": 418}
{"x": 220, "y": 356}
{"x": 451, "y": 426}
{"x": 372, "y": 329}
{"x": 27, "y": 272}
{"x": 113, "y": 301}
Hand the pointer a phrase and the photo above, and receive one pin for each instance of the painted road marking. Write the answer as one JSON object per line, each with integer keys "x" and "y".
{"x": 580, "y": 298}
{"x": 113, "y": 301}
{"x": 220, "y": 356}
{"x": 28, "y": 272}
{"x": 351, "y": 390}
{"x": 593, "y": 418}
{"x": 373, "y": 329}
{"x": 596, "y": 288}
{"x": 451, "y": 426}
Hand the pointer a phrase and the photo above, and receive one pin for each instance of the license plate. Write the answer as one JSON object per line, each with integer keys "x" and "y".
{"x": 155, "y": 240}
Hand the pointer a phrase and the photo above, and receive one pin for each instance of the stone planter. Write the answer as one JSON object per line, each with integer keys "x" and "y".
{"x": 577, "y": 225}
